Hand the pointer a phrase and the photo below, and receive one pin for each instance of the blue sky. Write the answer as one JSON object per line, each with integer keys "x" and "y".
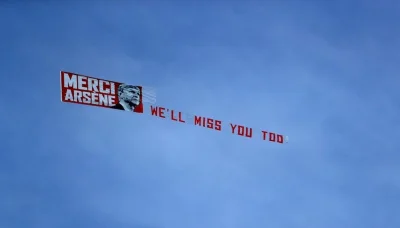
{"x": 324, "y": 73}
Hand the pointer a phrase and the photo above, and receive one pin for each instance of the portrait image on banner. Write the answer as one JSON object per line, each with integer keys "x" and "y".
{"x": 129, "y": 98}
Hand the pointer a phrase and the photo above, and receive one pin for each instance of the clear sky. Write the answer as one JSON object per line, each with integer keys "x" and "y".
{"x": 326, "y": 73}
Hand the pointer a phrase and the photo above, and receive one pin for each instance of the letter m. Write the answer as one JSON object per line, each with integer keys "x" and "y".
{"x": 69, "y": 80}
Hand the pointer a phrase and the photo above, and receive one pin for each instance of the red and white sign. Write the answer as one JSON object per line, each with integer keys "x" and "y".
{"x": 82, "y": 89}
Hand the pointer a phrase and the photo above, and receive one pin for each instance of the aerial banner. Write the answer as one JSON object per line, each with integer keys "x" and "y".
{"x": 217, "y": 125}
{"x": 82, "y": 89}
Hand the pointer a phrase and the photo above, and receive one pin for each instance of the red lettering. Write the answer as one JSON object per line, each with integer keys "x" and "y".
{"x": 154, "y": 110}
{"x": 172, "y": 116}
{"x": 248, "y": 132}
{"x": 279, "y": 138}
{"x": 272, "y": 137}
{"x": 240, "y": 130}
{"x": 264, "y": 134}
{"x": 161, "y": 112}
{"x": 197, "y": 120}
{"x": 218, "y": 124}
{"x": 207, "y": 122}
{"x": 157, "y": 111}
{"x": 233, "y": 128}
{"x": 243, "y": 131}
{"x": 210, "y": 123}
{"x": 180, "y": 117}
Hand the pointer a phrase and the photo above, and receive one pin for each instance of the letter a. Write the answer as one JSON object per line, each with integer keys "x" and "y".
{"x": 68, "y": 96}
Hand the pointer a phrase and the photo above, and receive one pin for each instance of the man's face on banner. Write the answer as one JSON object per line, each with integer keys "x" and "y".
{"x": 129, "y": 94}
